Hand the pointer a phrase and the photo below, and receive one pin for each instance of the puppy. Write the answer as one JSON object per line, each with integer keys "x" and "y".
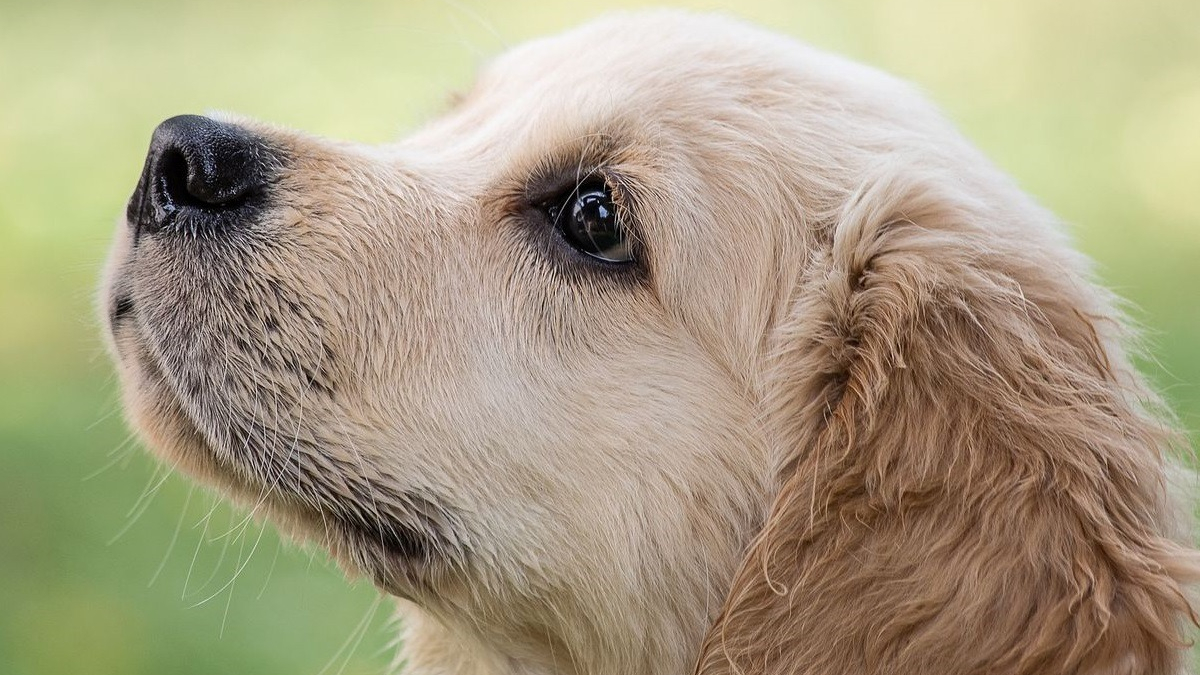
{"x": 676, "y": 346}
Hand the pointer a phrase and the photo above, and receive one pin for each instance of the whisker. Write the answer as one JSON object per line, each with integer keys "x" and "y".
{"x": 200, "y": 542}
{"x": 141, "y": 505}
{"x": 352, "y": 641}
{"x": 271, "y": 569}
{"x": 241, "y": 567}
{"x": 174, "y": 536}
{"x": 117, "y": 455}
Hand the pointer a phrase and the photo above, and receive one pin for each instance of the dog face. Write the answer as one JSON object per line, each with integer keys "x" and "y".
{"x": 416, "y": 355}
{"x": 528, "y": 369}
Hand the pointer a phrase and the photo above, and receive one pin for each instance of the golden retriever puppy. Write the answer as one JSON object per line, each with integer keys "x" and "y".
{"x": 676, "y": 346}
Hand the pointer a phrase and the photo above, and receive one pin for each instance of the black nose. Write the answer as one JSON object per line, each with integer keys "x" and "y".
{"x": 201, "y": 176}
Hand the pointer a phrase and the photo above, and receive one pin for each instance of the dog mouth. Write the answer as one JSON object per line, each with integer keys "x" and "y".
{"x": 120, "y": 308}
{"x": 395, "y": 537}
{"x": 294, "y": 474}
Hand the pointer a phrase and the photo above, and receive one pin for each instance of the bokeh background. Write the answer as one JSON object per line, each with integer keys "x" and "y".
{"x": 110, "y": 565}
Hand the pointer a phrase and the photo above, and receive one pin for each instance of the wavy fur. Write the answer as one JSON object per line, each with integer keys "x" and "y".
{"x": 974, "y": 475}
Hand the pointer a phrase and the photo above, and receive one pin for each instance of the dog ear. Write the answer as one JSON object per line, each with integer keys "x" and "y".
{"x": 972, "y": 476}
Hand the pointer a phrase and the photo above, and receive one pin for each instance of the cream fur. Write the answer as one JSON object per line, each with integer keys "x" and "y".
{"x": 863, "y": 411}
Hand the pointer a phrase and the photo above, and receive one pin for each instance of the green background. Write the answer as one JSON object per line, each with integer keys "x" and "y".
{"x": 108, "y": 565}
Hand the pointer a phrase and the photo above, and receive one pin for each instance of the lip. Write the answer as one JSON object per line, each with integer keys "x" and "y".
{"x": 398, "y": 547}
{"x": 164, "y": 406}
{"x": 371, "y": 545}
{"x": 119, "y": 309}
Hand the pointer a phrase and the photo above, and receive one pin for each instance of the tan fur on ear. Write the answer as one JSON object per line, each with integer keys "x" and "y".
{"x": 974, "y": 477}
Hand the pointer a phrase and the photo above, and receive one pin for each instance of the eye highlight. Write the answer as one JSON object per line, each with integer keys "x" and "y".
{"x": 589, "y": 221}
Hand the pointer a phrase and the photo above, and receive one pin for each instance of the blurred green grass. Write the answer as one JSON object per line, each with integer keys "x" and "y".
{"x": 1093, "y": 105}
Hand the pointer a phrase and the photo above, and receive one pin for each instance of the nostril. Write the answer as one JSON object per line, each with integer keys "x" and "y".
{"x": 205, "y": 179}
{"x": 201, "y": 175}
{"x": 172, "y": 181}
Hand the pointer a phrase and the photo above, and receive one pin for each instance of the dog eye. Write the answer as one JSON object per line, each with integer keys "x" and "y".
{"x": 588, "y": 221}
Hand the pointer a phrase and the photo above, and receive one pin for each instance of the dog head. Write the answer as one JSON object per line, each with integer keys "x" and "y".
{"x": 670, "y": 327}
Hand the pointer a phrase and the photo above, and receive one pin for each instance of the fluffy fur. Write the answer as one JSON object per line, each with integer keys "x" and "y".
{"x": 859, "y": 408}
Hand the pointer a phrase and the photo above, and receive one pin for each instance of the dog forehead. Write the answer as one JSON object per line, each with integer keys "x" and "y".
{"x": 630, "y": 57}
{"x": 629, "y": 74}
{"x": 648, "y": 70}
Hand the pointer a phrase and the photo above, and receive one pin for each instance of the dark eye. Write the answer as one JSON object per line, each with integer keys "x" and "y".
{"x": 588, "y": 221}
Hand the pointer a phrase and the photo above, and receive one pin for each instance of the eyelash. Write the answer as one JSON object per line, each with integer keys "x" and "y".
{"x": 588, "y": 219}
{"x": 549, "y": 187}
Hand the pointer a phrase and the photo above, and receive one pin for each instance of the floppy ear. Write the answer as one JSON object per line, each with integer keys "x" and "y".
{"x": 973, "y": 476}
